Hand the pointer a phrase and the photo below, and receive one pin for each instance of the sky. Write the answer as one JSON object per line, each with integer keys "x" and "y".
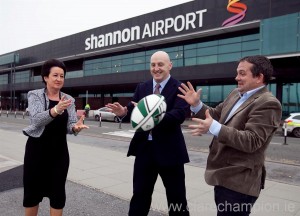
{"x": 26, "y": 23}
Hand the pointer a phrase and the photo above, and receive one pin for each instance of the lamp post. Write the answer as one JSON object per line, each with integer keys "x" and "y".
{"x": 11, "y": 86}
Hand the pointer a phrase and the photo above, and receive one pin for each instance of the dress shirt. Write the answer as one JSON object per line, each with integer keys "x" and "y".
{"x": 215, "y": 127}
{"x": 162, "y": 85}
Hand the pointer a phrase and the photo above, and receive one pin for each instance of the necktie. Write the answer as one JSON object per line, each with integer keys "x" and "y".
{"x": 156, "y": 90}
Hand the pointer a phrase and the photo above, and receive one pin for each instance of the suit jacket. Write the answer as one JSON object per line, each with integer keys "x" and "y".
{"x": 38, "y": 102}
{"x": 168, "y": 141}
{"x": 236, "y": 157}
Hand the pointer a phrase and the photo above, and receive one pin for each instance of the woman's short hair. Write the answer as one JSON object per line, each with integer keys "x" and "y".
{"x": 49, "y": 64}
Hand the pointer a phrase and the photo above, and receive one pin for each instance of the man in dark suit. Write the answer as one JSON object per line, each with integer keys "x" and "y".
{"x": 163, "y": 151}
{"x": 243, "y": 126}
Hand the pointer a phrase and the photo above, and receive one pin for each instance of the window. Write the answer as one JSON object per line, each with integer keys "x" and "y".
{"x": 213, "y": 95}
{"x": 280, "y": 34}
{"x": 207, "y": 59}
{"x": 210, "y": 52}
{"x": 37, "y": 79}
{"x": 297, "y": 117}
{"x": 190, "y": 53}
{"x": 291, "y": 97}
{"x": 230, "y": 48}
{"x": 207, "y": 51}
{"x": 74, "y": 74}
{"x": 190, "y": 61}
{"x": 22, "y": 77}
{"x": 3, "y": 79}
{"x": 229, "y": 57}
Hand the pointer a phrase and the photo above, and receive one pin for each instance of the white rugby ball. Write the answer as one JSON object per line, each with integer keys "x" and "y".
{"x": 148, "y": 112}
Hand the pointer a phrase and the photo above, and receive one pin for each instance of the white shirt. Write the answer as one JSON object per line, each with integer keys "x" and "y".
{"x": 162, "y": 84}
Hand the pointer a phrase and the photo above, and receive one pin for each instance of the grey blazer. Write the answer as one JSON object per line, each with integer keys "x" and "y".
{"x": 38, "y": 103}
{"x": 236, "y": 157}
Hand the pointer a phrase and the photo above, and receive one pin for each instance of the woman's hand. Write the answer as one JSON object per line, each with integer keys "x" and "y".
{"x": 63, "y": 104}
{"x": 79, "y": 125}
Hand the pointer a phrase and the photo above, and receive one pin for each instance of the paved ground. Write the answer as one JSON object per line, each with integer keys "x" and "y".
{"x": 100, "y": 178}
{"x": 100, "y": 183}
{"x": 81, "y": 200}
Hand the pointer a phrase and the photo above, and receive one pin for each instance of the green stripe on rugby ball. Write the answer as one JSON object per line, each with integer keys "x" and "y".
{"x": 148, "y": 112}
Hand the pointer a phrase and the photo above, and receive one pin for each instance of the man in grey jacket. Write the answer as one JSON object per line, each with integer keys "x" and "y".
{"x": 243, "y": 126}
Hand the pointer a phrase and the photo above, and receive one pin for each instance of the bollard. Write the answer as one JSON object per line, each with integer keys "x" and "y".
{"x": 7, "y": 113}
{"x": 120, "y": 122}
{"x": 15, "y": 114}
{"x": 0, "y": 112}
{"x": 100, "y": 119}
{"x": 285, "y": 133}
{"x": 23, "y": 115}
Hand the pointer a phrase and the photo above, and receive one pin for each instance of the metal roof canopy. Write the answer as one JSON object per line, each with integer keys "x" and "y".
{"x": 12, "y": 58}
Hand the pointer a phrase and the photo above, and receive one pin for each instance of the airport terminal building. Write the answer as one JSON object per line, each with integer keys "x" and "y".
{"x": 204, "y": 39}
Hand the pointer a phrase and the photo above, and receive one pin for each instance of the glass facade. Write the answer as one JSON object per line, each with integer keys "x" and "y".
{"x": 19, "y": 77}
{"x": 37, "y": 78}
{"x": 22, "y": 76}
{"x": 213, "y": 95}
{"x": 217, "y": 51}
{"x": 115, "y": 64}
{"x": 73, "y": 74}
{"x": 280, "y": 35}
{"x": 277, "y": 35}
{"x": 290, "y": 98}
{"x": 3, "y": 79}
{"x": 283, "y": 29}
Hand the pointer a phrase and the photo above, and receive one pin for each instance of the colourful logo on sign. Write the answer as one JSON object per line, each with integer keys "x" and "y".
{"x": 239, "y": 9}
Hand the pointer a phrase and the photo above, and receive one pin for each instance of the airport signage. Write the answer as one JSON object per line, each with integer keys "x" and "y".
{"x": 158, "y": 28}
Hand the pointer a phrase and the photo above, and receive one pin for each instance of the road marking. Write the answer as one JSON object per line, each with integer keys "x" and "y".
{"x": 128, "y": 133}
{"x": 8, "y": 162}
{"x": 97, "y": 126}
{"x": 274, "y": 143}
{"x": 4, "y": 164}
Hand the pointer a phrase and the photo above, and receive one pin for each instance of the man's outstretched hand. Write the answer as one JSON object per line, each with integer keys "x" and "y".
{"x": 202, "y": 126}
{"x": 117, "y": 109}
{"x": 189, "y": 94}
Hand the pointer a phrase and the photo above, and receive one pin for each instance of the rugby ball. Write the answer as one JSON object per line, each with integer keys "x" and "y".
{"x": 148, "y": 112}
